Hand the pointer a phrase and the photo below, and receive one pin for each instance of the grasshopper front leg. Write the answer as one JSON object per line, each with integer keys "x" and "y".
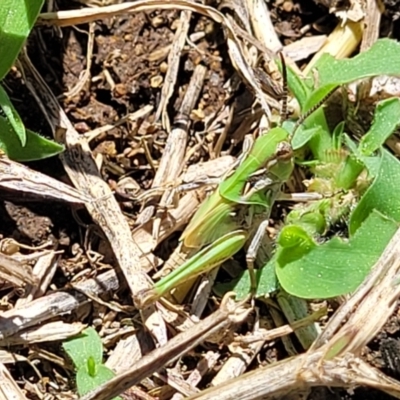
{"x": 252, "y": 252}
{"x": 203, "y": 261}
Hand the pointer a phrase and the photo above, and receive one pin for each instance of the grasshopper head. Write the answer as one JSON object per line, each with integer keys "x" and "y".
{"x": 282, "y": 167}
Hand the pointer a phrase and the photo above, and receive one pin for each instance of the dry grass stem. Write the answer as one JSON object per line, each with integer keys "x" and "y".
{"x": 172, "y": 160}
{"x": 81, "y": 168}
{"x": 305, "y": 47}
{"x": 9, "y": 389}
{"x": 171, "y": 76}
{"x": 19, "y": 178}
{"x": 16, "y": 272}
{"x": 54, "y": 304}
{"x": 53, "y": 331}
{"x": 373, "y": 14}
{"x": 85, "y": 77}
{"x": 229, "y": 313}
{"x": 132, "y": 117}
{"x": 262, "y": 26}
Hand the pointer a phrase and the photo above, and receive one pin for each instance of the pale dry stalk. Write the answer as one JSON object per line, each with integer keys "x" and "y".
{"x": 373, "y": 14}
{"x": 16, "y": 272}
{"x": 8, "y": 387}
{"x": 53, "y": 331}
{"x": 20, "y": 178}
{"x": 173, "y": 159}
{"x": 228, "y": 314}
{"x": 54, "y": 304}
{"x": 174, "y": 57}
{"x": 80, "y": 165}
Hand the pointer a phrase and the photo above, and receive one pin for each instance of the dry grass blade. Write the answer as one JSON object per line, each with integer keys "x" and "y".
{"x": 373, "y": 15}
{"x": 174, "y": 57}
{"x": 229, "y": 313}
{"x": 241, "y": 11}
{"x": 216, "y": 168}
{"x": 262, "y": 25}
{"x": 141, "y": 113}
{"x": 266, "y": 34}
{"x": 304, "y": 48}
{"x": 8, "y": 387}
{"x": 16, "y": 272}
{"x": 44, "y": 269}
{"x": 298, "y": 373}
{"x": 172, "y": 160}
{"x": 53, "y": 331}
{"x": 58, "y": 303}
{"x": 134, "y": 345}
{"x": 104, "y": 209}
{"x": 17, "y": 177}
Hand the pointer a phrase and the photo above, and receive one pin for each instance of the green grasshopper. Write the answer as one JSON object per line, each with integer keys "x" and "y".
{"x": 223, "y": 223}
{"x": 225, "y": 220}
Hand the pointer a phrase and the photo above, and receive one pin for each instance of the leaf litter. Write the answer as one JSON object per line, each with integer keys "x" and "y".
{"x": 183, "y": 63}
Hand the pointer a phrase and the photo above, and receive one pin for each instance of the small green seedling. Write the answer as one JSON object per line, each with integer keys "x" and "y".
{"x": 86, "y": 352}
{"x": 305, "y": 263}
{"x": 17, "y": 18}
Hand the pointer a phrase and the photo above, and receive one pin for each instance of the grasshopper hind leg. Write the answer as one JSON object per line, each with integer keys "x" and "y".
{"x": 251, "y": 254}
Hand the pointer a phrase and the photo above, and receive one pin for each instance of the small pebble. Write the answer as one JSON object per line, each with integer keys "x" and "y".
{"x": 156, "y": 81}
{"x": 81, "y": 127}
{"x": 157, "y": 21}
{"x": 287, "y": 6}
{"x": 120, "y": 90}
{"x": 163, "y": 67}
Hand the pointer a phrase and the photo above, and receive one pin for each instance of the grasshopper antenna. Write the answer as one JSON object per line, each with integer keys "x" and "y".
{"x": 284, "y": 108}
{"x": 312, "y": 109}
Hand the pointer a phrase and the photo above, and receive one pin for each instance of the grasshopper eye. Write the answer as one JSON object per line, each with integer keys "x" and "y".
{"x": 284, "y": 151}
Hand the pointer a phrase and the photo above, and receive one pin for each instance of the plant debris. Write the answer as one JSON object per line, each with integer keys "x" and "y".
{"x": 152, "y": 101}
